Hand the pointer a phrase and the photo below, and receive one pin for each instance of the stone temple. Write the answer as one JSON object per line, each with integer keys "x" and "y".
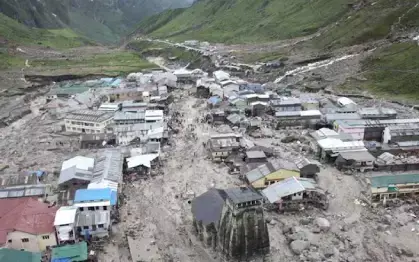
{"x": 231, "y": 221}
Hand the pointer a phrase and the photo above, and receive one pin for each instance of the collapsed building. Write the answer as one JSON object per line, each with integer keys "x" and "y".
{"x": 232, "y": 222}
{"x": 293, "y": 192}
{"x": 388, "y": 187}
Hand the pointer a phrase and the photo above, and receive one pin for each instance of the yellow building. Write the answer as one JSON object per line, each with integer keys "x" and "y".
{"x": 27, "y": 224}
{"x": 270, "y": 173}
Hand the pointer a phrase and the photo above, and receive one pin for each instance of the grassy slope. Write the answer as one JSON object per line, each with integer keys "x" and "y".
{"x": 15, "y": 34}
{"x": 391, "y": 72}
{"x": 245, "y": 20}
{"x": 370, "y": 22}
{"x": 112, "y": 63}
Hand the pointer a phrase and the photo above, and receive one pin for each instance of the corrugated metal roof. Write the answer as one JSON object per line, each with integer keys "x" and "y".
{"x": 65, "y": 215}
{"x": 369, "y": 122}
{"x": 95, "y": 195}
{"x": 287, "y": 113}
{"x": 357, "y": 156}
{"x": 241, "y": 195}
{"x": 23, "y": 191}
{"x": 283, "y": 188}
{"x": 12, "y": 255}
{"x": 385, "y": 181}
{"x": 255, "y": 154}
{"x": 109, "y": 167}
{"x": 122, "y": 116}
{"x": 90, "y": 116}
{"x": 234, "y": 118}
{"x": 80, "y": 162}
{"x": 73, "y": 172}
{"x": 73, "y": 252}
{"x": 141, "y": 160}
{"x": 310, "y": 113}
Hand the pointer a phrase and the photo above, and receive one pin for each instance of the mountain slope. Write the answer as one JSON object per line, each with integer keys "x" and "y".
{"x": 101, "y": 20}
{"x": 245, "y": 20}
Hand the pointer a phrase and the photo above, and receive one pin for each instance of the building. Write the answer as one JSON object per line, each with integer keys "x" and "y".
{"x": 110, "y": 107}
{"x": 128, "y": 118}
{"x": 309, "y": 103}
{"x": 65, "y": 224}
{"x": 329, "y": 148}
{"x": 9, "y": 255}
{"x": 94, "y": 223}
{"x": 345, "y": 102}
{"x": 133, "y": 107}
{"x": 128, "y": 94}
{"x": 292, "y": 192}
{"x": 389, "y": 187}
{"x": 377, "y": 113}
{"x": 222, "y": 145}
{"x": 308, "y": 118}
{"x": 73, "y": 252}
{"x": 330, "y": 118}
{"x": 388, "y": 162}
{"x": 108, "y": 167}
{"x": 15, "y": 186}
{"x": 76, "y": 171}
{"x": 97, "y": 140}
{"x": 370, "y": 130}
{"x": 255, "y": 157}
{"x": 307, "y": 168}
{"x": 142, "y": 164}
{"x": 153, "y": 116}
{"x": 125, "y": 134}
{"x": 95, "y": 199}
{"x": 360, "y": 161}
{"x": 396, "y": 134}
{"x": 26, "y": 223}
{"x": 258, "y": 108}
{"x": 217, "y": 212}
{"x": 88, "y": 121}
{"x": 269, "y": 173}
{"x": 286, "y": 104}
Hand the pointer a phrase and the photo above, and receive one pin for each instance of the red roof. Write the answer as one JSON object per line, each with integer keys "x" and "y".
{"x": 25, "y": 215}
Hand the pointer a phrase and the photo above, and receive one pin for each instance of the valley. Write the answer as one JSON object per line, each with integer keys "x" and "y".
{"x": 203, "y": 121}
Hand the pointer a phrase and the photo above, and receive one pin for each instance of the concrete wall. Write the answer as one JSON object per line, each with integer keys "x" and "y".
{"x": 36, "y": 243}
{"x": 89, "y": 127}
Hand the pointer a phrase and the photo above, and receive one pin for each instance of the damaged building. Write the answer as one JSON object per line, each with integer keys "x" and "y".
{"x": 232, "y": 222}
{"x": 293, "y": 192}
{"x": 222, "y": 145}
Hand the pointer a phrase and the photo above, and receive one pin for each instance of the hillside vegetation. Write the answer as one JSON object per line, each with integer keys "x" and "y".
{"x": 13, "y": 32}
{"x": 392, "y": 72}
{"x": 369, "y": 21}
{"x": 104, "y": 21}
{"x": 245, "y": 20}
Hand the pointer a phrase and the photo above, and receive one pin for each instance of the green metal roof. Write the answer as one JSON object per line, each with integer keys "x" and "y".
{"x": 385, "y": 181}
{"x": 75, "y": 252}
{"x": 9, "y": 255}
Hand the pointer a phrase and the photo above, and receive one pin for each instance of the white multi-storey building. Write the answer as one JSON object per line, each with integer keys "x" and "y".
{"x": 88, "y": 121}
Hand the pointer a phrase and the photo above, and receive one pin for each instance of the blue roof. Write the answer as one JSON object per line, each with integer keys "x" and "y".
{"x": 214, "y": 100}
{"x": 95, "y": 195}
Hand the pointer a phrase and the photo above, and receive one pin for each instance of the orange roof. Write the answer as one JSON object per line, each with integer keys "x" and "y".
{"x": 26, "y": 215}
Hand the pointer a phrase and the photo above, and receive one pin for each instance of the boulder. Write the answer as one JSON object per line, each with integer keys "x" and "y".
{"x": 298, "y": 246}
{"x": 323, "y": 224}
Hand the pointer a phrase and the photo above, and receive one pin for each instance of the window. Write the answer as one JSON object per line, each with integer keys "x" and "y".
{"x": 91, "y": 208}
{"x": 45, "y": 237}
{"x": 85, "y": 227}
{"x": 105, "y": 208}
{"x": 81, "y": 209}
{"x": 78, "y": 229}
{"x": 9, "y": 241}
{"x": 25, "y": 240}
{"x": 94, "y": 227}
{"x": 100, "y": 226}
{"x": 97, "y": 208}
